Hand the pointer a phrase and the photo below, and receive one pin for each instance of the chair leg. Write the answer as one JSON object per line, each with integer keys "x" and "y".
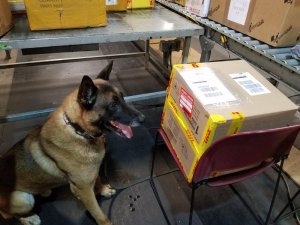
{"x": 153, "y": 154}
{"x": 153, "y": 184}
{"x": 286, "y": 206}
{"x": 275, "y": 192}
{"x": 192, "y": 204}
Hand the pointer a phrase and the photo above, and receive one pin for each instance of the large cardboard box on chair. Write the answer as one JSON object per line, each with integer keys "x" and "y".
{"x": 212, "y": 100}
{"x": 64, "y": 14}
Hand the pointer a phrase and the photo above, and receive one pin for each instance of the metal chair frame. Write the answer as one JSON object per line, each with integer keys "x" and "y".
{"x": 220, "y": 181}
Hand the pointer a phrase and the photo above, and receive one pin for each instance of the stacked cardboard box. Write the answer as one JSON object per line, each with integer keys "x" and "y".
{"x": 62, "y": 14}
{"x": 116, "y": 5}
{"x": 197, "y": 7}
{"x": 5, "y": 17}
{"x": 208, "y": 101}
{"x": 140, "y": 4}
{"x": 274, "y": 22}
{"x": 180, "y": 2}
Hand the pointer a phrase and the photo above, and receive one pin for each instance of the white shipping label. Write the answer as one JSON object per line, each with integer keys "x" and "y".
{"x": 111, "y": 2}
{"x": 238, "y": 11}
{"x": 207, "y": 88}
{"x": 249, "y": 83}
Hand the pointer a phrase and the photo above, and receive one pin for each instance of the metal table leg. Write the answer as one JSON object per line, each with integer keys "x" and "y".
{"x": 147, "y": 54}
{"x": 186, "y": 48}
{"x": 8, "y": 54}
{"x": 206, "y": 47}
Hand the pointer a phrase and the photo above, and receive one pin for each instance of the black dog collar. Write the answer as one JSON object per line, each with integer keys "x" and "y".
{"x": 79, "y": 130}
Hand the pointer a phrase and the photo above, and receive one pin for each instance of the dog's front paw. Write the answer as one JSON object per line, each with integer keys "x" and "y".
{"x": 107, "y": 191}
{"x": 30, "y": 220}
{"x": 106, "y": 222}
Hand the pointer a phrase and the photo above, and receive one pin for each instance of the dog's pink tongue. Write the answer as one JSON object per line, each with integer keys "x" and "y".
{"x": 126, "y": 130}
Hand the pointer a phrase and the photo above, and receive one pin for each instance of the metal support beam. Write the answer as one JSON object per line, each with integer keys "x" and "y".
{"x": 45, "y": 112}
{"x": 7, "y": 54}
{"x": 67, "y": 60}
{"x": 186, "y": 49}
{"x": 206, "y": 47}
{"x": 147, "y": 54}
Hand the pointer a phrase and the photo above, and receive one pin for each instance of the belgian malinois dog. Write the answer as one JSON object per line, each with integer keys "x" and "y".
{"x": 67, "y": 149}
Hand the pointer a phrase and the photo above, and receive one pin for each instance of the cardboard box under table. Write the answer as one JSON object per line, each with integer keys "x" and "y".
{"x": 63, "y": 14}
{"x": 212, "y": 100}
{"x": 274, "y": 22}
{"x": 5, "y": 17}
{"x": 116, "y": 5}
{"x": 140, "y": 4}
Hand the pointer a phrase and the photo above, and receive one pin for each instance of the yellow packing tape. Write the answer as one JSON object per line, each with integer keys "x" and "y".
{"x": 238, "y": 119}
{"x": 210, "y": 129}
{"x": 207, "y": 137}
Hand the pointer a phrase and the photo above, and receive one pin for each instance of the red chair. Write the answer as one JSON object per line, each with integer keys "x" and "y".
{"x": 238, "y": 157}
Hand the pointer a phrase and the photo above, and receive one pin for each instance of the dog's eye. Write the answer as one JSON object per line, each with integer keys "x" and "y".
{"x": 115, "y": 98}
{"x": 115, "y": 102}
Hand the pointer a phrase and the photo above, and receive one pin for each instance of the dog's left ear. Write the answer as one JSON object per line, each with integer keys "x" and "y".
{"x": 87, "y": 93}
{"x": 104, "y": 74}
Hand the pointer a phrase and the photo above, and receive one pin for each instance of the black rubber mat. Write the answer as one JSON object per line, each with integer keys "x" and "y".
{"x": 134, "y": 205}
{"x": 129, "y": 161}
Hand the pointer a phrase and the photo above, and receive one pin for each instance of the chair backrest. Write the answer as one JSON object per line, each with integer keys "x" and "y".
{"x": 240, "y": 156}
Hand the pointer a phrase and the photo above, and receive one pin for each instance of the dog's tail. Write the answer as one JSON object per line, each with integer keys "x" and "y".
{"x": 104, "y": 74}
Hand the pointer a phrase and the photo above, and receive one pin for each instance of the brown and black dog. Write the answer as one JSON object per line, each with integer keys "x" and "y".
{"x": 67, "y": 149}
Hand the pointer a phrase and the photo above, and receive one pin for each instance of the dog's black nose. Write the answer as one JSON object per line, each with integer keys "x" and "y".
{"x": 138, "y": 120}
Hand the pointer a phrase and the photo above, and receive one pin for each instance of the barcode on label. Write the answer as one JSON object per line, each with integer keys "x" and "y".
{"x": 249, "y": 83}
{"x": 254, "y": 88}
{"x": 210, "y": 92}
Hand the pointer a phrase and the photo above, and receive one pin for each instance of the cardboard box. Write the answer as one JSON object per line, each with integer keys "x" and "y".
{"x": 5, "y": 17}
{"x": 180, "y": 2}
{"x": 63, "y": 14}
{"x": 140, "y": 4}
{"x": 197, "y": 7}
{"x": 228, "y": 92}
{"x": 116, "y": 5}
{"x": 212, "y": 100}
{"x": 181, "y": 138}
{"x": 271, "y": 21}
{"x": 216, "y": 11}
{"x": 17, "y": 6}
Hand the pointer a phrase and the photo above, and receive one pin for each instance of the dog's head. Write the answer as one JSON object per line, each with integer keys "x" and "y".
{"x": 104, "y": 107}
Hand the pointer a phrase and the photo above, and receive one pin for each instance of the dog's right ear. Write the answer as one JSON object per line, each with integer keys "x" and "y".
{"x": 104, "y": 74}
{"x": 87, "y": 93}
